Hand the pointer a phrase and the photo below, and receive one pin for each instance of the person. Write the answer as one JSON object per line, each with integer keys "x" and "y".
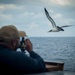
{"x": 18, "y": 62}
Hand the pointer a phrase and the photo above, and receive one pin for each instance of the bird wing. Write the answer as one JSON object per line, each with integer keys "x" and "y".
{"x": 66, "y": 26}
{"x": 50, "y": 19}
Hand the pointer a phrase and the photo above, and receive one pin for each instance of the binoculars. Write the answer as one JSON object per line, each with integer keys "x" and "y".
{"x": 22, "y": 44}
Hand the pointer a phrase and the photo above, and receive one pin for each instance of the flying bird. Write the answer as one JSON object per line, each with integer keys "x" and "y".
{"x": 55, "y": 27}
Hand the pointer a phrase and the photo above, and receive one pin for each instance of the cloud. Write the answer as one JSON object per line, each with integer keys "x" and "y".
{"x": 68, "y": 21}
{"x": 29, "y": 15}
{"x": 19, "y": 2}
{"x": 9, "y": 12}
{"x": 26, "y": 14}
{"x": 58, "y": 15}
{"x": 7, "y": 1}
{"x": 47, "y": 2}
{"x": 4, "y": 17}
{"x": 7, "y": 6}
{"x": 59, "y": 2}
{"x": 38, "y": 15}
{"x": 32, "y": 25}
{"x": 62, "y": 20}
{"x": 10, "y": 6}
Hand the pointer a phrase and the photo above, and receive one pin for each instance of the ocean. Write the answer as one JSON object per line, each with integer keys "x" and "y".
{"x": 57, "y": 49}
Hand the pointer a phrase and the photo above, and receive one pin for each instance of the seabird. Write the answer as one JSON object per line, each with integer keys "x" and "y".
{"x": 55, "y": 28}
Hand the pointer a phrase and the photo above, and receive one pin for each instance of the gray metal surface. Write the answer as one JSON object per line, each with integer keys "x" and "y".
{"x": 56, "y": 73}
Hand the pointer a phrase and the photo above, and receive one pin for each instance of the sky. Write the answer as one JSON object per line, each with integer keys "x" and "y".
{"x": 29, "y": 16}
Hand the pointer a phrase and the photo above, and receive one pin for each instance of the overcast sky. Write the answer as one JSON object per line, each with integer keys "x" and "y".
{"x": 29, "y": 16}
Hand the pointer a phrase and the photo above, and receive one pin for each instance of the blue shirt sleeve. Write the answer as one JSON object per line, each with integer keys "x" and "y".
{"x": 19, "y": 62}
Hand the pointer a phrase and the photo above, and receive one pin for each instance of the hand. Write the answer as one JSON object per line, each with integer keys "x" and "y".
{"x": 28, "y": 46}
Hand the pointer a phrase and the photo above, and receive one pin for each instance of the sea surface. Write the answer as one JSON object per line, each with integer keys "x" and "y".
{"x": 56, "y": 49}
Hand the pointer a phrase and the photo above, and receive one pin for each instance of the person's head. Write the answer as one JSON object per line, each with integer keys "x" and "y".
{"x": 9, "y": 36}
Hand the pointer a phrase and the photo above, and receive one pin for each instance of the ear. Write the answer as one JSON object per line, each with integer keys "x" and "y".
{"x": 13, "y": 43}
